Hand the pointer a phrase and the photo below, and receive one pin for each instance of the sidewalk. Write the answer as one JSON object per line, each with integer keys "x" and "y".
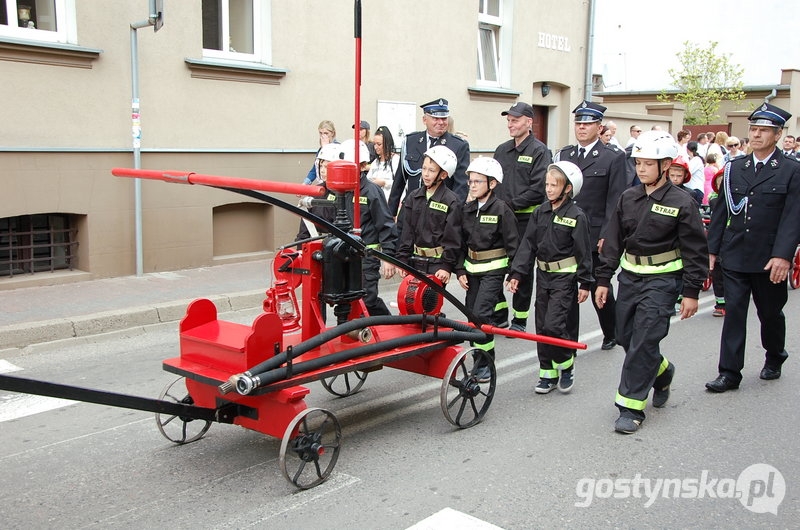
{"x": 33, "y": 315}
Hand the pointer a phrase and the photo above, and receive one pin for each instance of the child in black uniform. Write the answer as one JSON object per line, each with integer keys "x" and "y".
{"x": 489, "y": 240}
{"x": 557, "y": 239}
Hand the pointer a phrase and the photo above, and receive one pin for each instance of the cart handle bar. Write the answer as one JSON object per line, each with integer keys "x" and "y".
{"x": 563, "y": 343}
{"x": 189, "y": 177}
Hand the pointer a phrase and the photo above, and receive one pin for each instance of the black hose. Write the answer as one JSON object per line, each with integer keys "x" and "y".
{"x": 359, "y": 323}
{"x": 282, "y": 373}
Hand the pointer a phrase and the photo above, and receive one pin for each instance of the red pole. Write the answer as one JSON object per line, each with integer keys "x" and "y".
{"x": 188, "y": 177}
{"x": 563, "y": 343}
{"x": 357, "y": 125}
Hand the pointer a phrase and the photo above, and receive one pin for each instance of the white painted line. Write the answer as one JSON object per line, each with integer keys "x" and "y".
{"x": 7, "y": 368}
{"x": 450, "y": 519}
{"x": 15, "y": 406}
{"x": 257, "y": 517}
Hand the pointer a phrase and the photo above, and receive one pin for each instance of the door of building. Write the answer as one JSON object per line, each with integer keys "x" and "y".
{"x": 540, "y": 114}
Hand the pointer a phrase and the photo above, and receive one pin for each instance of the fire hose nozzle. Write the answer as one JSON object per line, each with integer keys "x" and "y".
{"x": 245, "y": 383}
{"x": 364, "y": 335}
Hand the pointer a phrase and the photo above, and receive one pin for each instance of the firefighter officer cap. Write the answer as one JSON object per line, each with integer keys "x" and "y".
{"x": 437, "y": 108}
{"x": 519, "y": 109}
{"x": 769, "y": 116}
{"x": 588, "y": 111}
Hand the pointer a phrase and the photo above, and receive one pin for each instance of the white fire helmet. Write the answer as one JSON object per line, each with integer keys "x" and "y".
{"x": 348, "y": 149}
{"x": 443, "y": 156}
{"x": 655, "y": 145}
{"x": 486, "y": 165}
{"x": 571, "y": 172}
{"x": 329, "y": 152}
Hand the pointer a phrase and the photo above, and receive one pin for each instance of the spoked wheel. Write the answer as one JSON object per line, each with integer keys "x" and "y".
{"x": 310, "y": 447}
{"x": 707, "y": 283}
{"x": 464, "y": 400}
{"x": 179, "y": 429}
{"x": 794, "y": 273}
{"x": 344, "y": 385}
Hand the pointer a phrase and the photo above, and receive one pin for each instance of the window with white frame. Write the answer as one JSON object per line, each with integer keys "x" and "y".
{"x": 38, "y": 20}
{"x": 237, "y": 30}
{"x": 490, "y": 24}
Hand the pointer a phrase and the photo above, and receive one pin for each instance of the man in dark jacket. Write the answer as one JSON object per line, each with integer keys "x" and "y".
{"x": 755, "y": 229}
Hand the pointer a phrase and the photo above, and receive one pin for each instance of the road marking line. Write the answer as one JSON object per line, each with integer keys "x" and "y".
{"x": 450, "y": 519}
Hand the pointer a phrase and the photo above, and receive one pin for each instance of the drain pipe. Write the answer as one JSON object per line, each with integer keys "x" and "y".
{"x": 589, "y": 52}
{"x": 155, "y": 19}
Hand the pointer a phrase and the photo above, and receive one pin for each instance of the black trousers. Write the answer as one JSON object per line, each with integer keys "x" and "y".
{"x": 606, "y": 315}
{"x": 769, "y": 299}
{"x": 644, "y": 309}
{"x": 557, "y": 315}
{"x": 521, "y": 300}
{"x": 481, "y": 298}
{"x": 371, "y": 274}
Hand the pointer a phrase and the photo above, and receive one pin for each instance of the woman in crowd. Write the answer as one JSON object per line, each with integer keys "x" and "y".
{"x": 385, "y": 164}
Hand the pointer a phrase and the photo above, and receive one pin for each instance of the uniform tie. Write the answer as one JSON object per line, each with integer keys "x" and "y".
{"x": 582, "y": 152}
{"x": 433, "y": 142}
{"x": 759, "y": 167}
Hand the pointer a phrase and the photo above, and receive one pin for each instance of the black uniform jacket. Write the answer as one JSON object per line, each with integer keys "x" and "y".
{"x": 491, "y": 227}
{"x": 377, "y": 224}
{"x": 768, "y": 225}
{"x": 604, "y": 180}
{"x": 524, "y": 167}
{"x": 410, "y": 167}
{"x": 431, "y": 223}
{"x": 646, "y": 225}
{"x": 326, "y": 211}
{"x": 553, "y": 236}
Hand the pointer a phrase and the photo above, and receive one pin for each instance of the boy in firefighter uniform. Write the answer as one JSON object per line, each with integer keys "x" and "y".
{"x": 656, "y": 235}
{"x": 327, "y": 153}
{"x": 377, "y": 228}
{"x": 430, "y": 240}
{"x": 489, "y": 240}
{"x": 557, "y": 243}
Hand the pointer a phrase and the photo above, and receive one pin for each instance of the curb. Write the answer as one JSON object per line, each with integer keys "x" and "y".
{"x": 30, "y": 333}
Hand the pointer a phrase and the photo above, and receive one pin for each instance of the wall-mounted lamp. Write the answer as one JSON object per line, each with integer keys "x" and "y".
{"x": 545, "y": 89}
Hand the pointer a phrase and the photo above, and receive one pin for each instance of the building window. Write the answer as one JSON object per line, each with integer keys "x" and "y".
{"x": 38, "y": 20}
{"x": 237, "y": 30}
{"x": 37, "y": 243}
{"x": 495, "y": 20}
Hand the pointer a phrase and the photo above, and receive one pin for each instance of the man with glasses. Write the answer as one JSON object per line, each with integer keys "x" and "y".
{"x": 635, "y": 131}
{"x": 755, "y": 229}
{"x": 407, "y": 177}
{"x": 524, "y": 159}
{"x": 604, "y": 179}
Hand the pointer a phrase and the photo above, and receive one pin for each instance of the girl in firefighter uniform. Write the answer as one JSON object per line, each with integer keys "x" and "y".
{"x": 557, "y": 244}
{"x": 656, "y": 236}
{"x": 489, "y": 241}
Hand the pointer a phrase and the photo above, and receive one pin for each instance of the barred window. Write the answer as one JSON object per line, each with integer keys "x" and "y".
{"x": 37, "y": 243}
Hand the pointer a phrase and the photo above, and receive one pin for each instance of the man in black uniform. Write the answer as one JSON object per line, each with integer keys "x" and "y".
{"x": 604, "y": 180}
{"x": 754, "y": 230}
{"x": 656, "y": 235}
{"x": 524, "y": 160}
{"x": 412, "y": 153}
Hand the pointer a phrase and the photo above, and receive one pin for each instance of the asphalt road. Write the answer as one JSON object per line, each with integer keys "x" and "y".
{"x": 703, "y": 461}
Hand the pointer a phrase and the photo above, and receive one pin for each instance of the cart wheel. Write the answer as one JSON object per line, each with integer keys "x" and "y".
{"x": 464, "y": 400}
{"x": 344, "y": 385}
{"x": 177, "y": 428}
{"x": 794, "y": 274}
{"x": 707, "y": 283}
{"x": 313, "y": 437}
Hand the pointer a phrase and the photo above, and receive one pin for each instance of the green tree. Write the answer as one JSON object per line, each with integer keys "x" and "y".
{"x": 703, "y": 80}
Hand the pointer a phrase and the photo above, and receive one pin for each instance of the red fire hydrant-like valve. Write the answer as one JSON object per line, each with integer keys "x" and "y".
{"x": 282, "y": 301}
{"x": 343, "y": 176}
